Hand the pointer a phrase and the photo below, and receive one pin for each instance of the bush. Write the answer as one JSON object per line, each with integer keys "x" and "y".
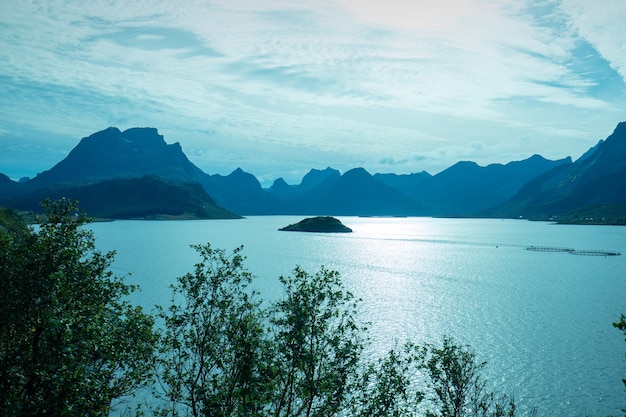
{"x": 69, "y": 343}
{"x": 223, "y": 354}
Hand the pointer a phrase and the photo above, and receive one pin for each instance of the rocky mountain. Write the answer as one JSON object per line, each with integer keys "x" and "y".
{"x": 135, "y": 153}
{"x": 356, "y": 192}
{"x": 313, "y": 181}
{"x": 596, "y": 180}
{"x": 111, "y": 153}
{"x": 135, "y": 173}
{"x": 463, "y": 189}
{"x": 467, "y": 188}
{"x": 241, "y": 192}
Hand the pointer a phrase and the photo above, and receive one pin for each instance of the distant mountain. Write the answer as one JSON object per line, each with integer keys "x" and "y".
{"x": 405, "y": 183}
{"x": 137, "y": 152}
{"x": 356, "y": 192}
{"x": 141, "y": 175}
{"x": 467, "y": 188}
{"x": 241, "y": 192}
{"x": 597, "y": 180}
{"x": 131, "y": 198}
{"x": 114, "y": 154}
{"x": 314, "y": 181}
{"x": 281, "y": 190}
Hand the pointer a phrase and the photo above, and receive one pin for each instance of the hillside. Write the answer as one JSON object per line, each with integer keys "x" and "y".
{"x": 467, "y": 188}
{"x": 148, "y": 197}
{"x": 135, "y": 153}
{"x": 11, "y": 222}
{"x": 356, "y": 192}
{"x": 595, "y": 181}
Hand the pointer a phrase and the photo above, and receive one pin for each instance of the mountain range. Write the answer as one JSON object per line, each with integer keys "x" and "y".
{"x": 136, "y": 174}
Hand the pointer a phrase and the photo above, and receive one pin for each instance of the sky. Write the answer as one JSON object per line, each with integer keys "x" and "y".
{"x": 277, "y": 87}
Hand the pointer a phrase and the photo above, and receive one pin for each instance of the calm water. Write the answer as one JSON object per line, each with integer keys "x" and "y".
{"x": 542, "y": 321}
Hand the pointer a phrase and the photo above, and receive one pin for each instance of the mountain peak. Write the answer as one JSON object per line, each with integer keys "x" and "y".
{"x": 315, "y": 177}
{"x": 241, "y": 178}
{"x": 357, "y": 173}
{"x": 144, "y": 136}
{"x": 620, "y": 129}
{"x": 112, "y": 138}
{"x": 280, "y": 182}
{"x": 111, "y": 153}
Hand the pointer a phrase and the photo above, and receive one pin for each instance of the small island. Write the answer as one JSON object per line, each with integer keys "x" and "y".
{"x": 320, "y": 224}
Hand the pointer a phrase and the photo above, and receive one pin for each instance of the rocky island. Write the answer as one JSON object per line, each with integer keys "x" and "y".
{"x": 320, "y": 224}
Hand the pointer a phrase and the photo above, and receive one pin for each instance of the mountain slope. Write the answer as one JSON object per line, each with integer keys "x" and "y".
{"x": 466, "y": 188}
{"x": 596, "y": 180}
{"x": 123, "y": 198}
{"x": 114, "y": 154}
{"x": 241, "y": 193}
{"x": 137, "y": 152}
{"x": 356, "y": 192}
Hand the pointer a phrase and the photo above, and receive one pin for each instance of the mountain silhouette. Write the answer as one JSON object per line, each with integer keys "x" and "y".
{"x": 111, "y": 153}
{"x": 137, "y": 152}
{"x": 598, "y": 179}
{"x": 241, "y": 192}
{"x": 116, "y": 172}
{"x": 467, "y": 188}
{"x": 356, "y": 192}
{"x": 132, "y": 198}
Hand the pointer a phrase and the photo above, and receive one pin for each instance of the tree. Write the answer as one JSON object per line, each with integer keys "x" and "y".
{"x": 385, "y": 387}
{"x": 212, "y": 350}
{"x": 318, "y": 344}
{"x": 11, "y": 222}
{"x": 457, "y": 386}
{"x": 70, "y": 344}
{"x": 224, "y": 354}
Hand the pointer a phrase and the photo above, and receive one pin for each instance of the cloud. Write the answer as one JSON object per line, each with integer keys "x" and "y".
{"x": 352, "y": 81}
{"x": 601, "y": 24}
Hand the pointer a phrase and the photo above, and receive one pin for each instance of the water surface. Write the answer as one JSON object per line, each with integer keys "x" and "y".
{"x": 543, "y": 321}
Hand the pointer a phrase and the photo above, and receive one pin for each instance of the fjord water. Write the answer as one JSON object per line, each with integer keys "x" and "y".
{"x": 542, "y": 321}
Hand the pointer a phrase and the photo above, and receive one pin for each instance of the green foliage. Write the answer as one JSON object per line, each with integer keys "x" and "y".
{"x": 386, "y": 387}
{"x": 212, "y": 351}
{"x": 11, "y": 222}
{"x": 223, "y": 354}
{"x": 317, "y": 342}
{"x": 457, "y": 385}
{"x": 69, "y": 342}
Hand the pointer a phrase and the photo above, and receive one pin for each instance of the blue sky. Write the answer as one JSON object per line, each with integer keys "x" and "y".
{"x": 278, "y": 87}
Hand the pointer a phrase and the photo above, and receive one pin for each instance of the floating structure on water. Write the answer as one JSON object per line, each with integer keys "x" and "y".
{"x": 572, "y": 251}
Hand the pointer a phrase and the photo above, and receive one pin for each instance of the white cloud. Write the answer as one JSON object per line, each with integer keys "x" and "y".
{"x": 340, "y": 78}
{"x": 601, "y": 23}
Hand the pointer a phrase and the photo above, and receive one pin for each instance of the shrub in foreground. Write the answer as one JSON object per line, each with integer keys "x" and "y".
{"x": 69, "y": 342}
{"x": 224, "y": 354}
